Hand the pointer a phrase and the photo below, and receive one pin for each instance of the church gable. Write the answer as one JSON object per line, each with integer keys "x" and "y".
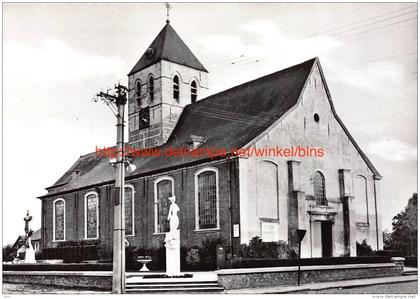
{"x": 270, "y": 180}
{"x": 313, "y": 121}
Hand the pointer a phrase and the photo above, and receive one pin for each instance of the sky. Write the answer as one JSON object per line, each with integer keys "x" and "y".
{"x": 57, "y": 56}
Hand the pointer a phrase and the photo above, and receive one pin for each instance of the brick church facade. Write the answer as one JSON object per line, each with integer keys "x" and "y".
{"x": 334, "y": 196}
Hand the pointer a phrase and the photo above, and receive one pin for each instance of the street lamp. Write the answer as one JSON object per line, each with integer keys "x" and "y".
{"x": 117, "y": 104}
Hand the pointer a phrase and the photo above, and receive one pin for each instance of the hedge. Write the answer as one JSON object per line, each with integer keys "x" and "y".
{"x": 71, "y": 254}
{"x": 410, "y": 261}
{"x": 58, "y": 267}
{"x": 260, "y": 263}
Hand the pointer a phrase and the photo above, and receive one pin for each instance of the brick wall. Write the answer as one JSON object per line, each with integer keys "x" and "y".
{"x": 144, "y": 236}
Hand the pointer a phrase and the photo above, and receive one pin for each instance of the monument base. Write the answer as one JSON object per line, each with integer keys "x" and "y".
{"x": 29, "y": 253}
{"x": 173, "y": 253}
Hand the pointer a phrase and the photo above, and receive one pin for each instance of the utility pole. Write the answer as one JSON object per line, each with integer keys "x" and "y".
{"x": 117, "y": 104}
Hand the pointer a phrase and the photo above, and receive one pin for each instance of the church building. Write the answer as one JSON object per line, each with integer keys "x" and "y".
{"x": 319, "y": 179}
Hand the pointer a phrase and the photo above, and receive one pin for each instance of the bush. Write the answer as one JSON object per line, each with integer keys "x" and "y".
{"x": 131, "y": 258}
{"x": 208, "y": 254}
{"x": 257, "y": 249}
{"x": 158, "y": 258}
{"x": 233, "y": 261}
{"x": 193, "y": 257}
{"x": 391, "y": 253}
{"x": 410, "y": 261}
{"x": 363, "y": 249}
{"x": 73, "y": 251}
{"x": 58, "y": 267}
{"x": 9, "y": 253}
{"x": 260, "y": 263}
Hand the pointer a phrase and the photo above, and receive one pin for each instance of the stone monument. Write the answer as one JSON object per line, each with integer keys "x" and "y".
{"x": 172, "y": 241}
{"x": 29, "y": 250}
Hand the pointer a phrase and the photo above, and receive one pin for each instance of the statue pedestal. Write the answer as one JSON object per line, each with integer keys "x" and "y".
{"x": 173, "y": 253}
{"x": 29, "y": 253}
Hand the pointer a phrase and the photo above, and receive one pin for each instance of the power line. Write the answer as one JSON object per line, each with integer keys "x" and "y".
{"x": 239, "y": 65}
{"x": 377, "y": 60}
{"x": 346, "y": 36}
{"x": 361, "y": 21}
{"x": 373, "y": 29}
{"x": 376, "y": 22}
{"x": 373, "y": 78}
{"x": 214, "y": 64}
{"x": 252, "y": 59}
{"x": 364, "y": 65}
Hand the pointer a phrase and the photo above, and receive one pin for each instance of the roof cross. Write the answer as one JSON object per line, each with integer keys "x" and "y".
{"x": 168, "y": 8}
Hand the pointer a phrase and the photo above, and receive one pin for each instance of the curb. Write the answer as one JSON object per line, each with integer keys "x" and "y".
{"x": 340, "y": 284}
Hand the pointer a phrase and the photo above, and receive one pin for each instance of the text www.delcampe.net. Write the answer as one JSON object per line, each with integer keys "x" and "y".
{"x": 287, "y": 152}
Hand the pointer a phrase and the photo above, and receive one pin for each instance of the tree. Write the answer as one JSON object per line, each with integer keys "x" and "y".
{"x": 8, "y": 253}
{"x": 404, "y": 229}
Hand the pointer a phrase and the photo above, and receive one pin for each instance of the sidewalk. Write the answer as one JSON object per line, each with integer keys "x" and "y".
{"x": 324, "y": 285}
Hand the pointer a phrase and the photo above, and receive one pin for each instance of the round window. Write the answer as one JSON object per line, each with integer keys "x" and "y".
{"x": 316, "y": 117}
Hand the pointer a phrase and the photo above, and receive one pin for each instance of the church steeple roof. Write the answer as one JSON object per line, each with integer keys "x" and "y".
{"x": 168, "y": 46}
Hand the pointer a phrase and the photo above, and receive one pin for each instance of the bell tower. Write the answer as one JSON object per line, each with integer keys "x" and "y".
{"x": 166, "y": 78}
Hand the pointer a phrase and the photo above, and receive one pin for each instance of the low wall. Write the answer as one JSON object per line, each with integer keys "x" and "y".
{"x": 89, "y": 280}
{"x": 228, "y": 278}
{"x": 265, "y": 277}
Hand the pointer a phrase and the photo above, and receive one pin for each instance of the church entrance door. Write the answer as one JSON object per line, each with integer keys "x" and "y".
{"x": 321, "y": 238}
{"x": 326, "y": 233}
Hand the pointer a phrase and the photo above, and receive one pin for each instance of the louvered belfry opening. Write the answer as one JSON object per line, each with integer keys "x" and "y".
{"x": 193, "y": 92}
{"x": 176, "y": 88}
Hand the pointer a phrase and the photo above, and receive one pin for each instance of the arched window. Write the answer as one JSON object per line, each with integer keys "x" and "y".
{"x": 207, "y": 199}
{"x": 176, "y": 88}
{"x": 361, "y": 199}
{"x": 319, "y": 189}
{"x": 59, "y": 220}
{"x": 151, "y": 88}
{"x": 164, "y": 188}
{"x": 193, "y": 92}
{"x": 91, "y": 215}
{"x": 129, "y": 210}
{"x": 138, "y": 88}
{"x": 267, "y": 190}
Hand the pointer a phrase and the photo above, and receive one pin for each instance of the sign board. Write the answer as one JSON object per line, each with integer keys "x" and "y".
{"x": 236, "y": 230}
{"x": 270, "y": 232}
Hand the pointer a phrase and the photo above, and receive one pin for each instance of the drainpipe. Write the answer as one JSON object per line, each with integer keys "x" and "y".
{"x": 376, "y": 213}
{"x": 230, "y": 206}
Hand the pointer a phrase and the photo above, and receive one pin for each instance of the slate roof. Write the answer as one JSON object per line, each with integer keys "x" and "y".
{"x": 229, "y": 119}
{"x": 168, "y": 46}
{"x": 19, "y": 241}
{"x": 36, "y": 235}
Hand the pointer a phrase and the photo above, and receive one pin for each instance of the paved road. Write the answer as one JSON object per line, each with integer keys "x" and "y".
{"x": 391, "y": 288}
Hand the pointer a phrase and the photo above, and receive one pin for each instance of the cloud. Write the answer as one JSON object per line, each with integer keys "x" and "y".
{"x": 55, "y": 61}
{"x": 393, "y": 150}
{"x": 270, "y": 43}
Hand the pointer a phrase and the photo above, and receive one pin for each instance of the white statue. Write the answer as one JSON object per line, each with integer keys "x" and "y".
{"x": 29, "y": 250}
{"x": 172, "y": 242}
{"x": 172, "y": 215}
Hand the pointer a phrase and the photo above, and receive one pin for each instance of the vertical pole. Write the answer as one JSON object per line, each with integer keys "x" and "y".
{"x": 300, "y": 242}
{"x": 118, "y": 277}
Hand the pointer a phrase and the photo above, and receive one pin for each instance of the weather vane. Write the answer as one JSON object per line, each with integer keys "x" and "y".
{"x": 168, "y": 8}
